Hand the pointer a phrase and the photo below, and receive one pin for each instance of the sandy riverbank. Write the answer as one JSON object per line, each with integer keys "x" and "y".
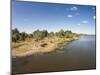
{"x": 32, "y": 47}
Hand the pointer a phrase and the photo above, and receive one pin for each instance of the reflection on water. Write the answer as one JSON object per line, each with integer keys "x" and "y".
{"x": 78, "y": 55}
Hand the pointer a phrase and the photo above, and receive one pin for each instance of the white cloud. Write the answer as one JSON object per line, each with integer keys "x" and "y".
{"x": 94, "y": 17}
{"x": 79, "y": 24}
{"x": 69, "y": 16}
{"x": 85, "y": 21}
{"x": 74, "y": 8}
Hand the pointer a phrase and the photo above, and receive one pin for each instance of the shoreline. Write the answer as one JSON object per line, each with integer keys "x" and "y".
{"x": 34, "y": 48}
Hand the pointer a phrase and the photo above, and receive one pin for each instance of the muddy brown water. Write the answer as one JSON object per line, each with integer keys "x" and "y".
{"x": 77, "y": 55}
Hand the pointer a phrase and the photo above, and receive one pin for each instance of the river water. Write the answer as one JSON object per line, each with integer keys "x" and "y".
{"x": 77, "y": 55}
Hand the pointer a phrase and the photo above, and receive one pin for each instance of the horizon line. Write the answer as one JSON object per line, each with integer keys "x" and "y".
{"x": 28, "y": 32}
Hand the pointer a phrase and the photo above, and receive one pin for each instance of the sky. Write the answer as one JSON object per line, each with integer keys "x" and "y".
{"x": 30, "y": 16}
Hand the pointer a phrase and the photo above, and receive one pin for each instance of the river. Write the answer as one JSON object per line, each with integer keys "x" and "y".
{"x": 77, "y": 55}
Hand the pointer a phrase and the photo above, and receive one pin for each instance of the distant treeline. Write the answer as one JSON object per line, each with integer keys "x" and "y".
{"x": 40, "y": 34}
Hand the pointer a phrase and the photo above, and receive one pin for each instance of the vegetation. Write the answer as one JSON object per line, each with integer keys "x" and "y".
{"x": 40, "y": 41}
{"x": 39, "y": 35}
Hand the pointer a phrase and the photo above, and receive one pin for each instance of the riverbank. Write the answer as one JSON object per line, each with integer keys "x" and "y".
{"x": 78, "y": 55}
{"x": 32, "y": 47}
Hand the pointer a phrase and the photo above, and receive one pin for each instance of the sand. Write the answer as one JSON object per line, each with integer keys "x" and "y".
{"x": 32, "y": 47}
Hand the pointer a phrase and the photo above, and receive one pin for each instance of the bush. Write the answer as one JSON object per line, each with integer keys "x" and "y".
{"x": 39, "y": 35}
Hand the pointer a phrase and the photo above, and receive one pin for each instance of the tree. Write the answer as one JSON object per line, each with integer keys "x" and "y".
{"x": 30, "y": 36}
{"x": 68, "y": 34}
{"x": 44, "y": 33}
{"x": 61, "y": 33}
{"x": 14, "y": 31}
{"x": 23, "y": 35}
{"x": 38, "y": 35}
{"x": 51, "y": 34}
{"x": 15, "y": 35}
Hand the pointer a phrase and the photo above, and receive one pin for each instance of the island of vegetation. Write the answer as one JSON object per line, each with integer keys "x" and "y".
{"x": 40, "y": 41}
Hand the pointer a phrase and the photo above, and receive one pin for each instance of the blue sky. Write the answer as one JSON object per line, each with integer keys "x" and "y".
{"x": 30, "y": 16}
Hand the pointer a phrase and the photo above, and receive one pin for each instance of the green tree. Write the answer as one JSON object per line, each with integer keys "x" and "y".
{"x": 23, "y": 36}
{"x": 15, "y": 35}
{"x": 51, "y": 34}
{"x": 14, "y": 31}
{"x": 61, "y": 33}
{"x": 44, "y": 33}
